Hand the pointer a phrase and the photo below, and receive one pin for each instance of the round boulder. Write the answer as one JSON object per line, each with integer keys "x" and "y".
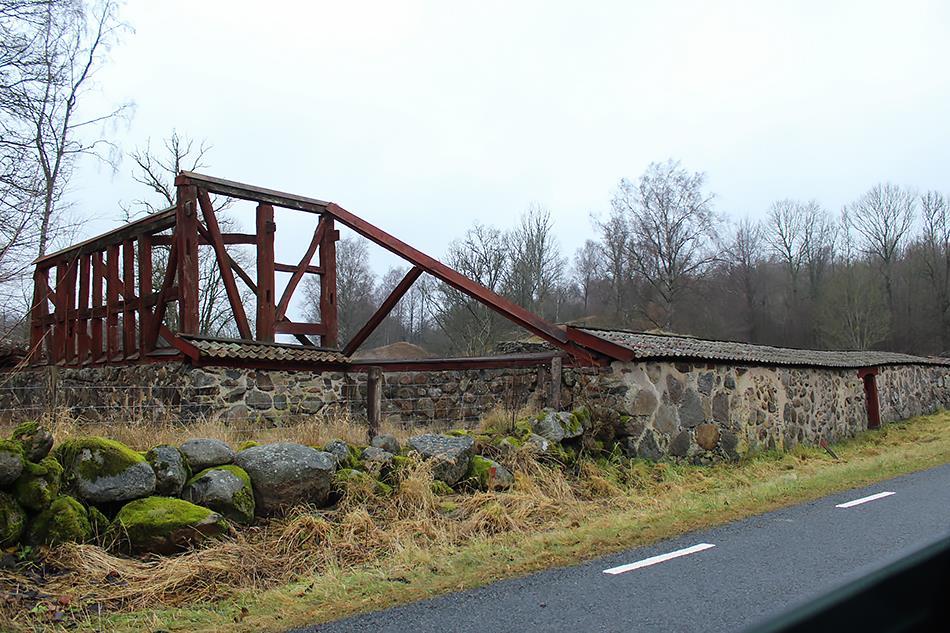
{"x": 225, "y": 489}
{"x": 12, "y": 520}
{"x": 39, "y": 484}
{"x": 165, "y": 525}
{"x": 450, "y": 455}
{"x": 35, "y": 440}
{"x": 100, "y": 470}
{"x": 387, "y": 442}
{"x": 487, "y": 474}
{"x": 11, "y": 462}
{"x": 171, "y": 470}
{"x": 344, "y": 454}
{"x": 204, "y": 453}
{"x": 558, "y": 425}
{"x": 285, "y": 474}
{"x": 376, "y": 461}
{"x": 65, "y": 520}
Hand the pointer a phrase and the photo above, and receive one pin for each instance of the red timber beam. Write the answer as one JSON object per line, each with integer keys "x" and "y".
{"x": 384, "y": 309}
{"x": 437, "y": 269}
{"x": 186, "y": 239}
{"x": 266, "y": 308}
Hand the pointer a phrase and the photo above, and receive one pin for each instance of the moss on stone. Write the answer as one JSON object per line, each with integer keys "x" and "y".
{"x": 98, "y": 522}
{"x": 580, "y": 419}
{"x": 479, "y": 471}
{"x": 359, "y": 483}
{"x": 12, "y": 520}
{"x": 441, "y": 488}
{"x": 24, "y": 429}
{"x": 246, "y": 444}
{"x": 39, "y": 484}
{"x": 115, "y": 457}
{"x": 12, "y": 446}
{"x": 447, "y": 507}
{"x": 145, "y": 522}
{"x": 460, "y": 433}
{"x": 243, "y": 500}
{"x": 64, "y": 521}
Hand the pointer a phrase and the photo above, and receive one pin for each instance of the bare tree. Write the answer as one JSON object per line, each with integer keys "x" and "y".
{"x": 535, "y": 265}
{"x": 156, "y": 170}
{"x": 935, "y": 242}
{"x": 673, "y": 232}
{"x": 588, "y": 267}
{"x": 883, "y": 218}
{"x": 744, "y": 257}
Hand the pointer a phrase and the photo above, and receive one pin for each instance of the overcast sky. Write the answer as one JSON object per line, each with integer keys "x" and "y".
{"x": 424, "y": 117}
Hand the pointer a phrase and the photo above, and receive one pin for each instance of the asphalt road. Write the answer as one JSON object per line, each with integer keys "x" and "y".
{"x": 758, "y": 567}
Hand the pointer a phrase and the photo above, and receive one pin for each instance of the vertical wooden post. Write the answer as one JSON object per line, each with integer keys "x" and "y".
{"x": 72, "y": 273}
{"x": 98, "y": 273}
{"x": 82, "y": 321}
{"x": 39, "y": 312}
{"x": 554, "y": 397}
{"x": 145, "y": 293}
{"x": 128, "y": 297}
{"x": 186, "y": 237}
{"x": 328, "y": 315}
{"x": 266, "y": 308}
{"x": 374, "y": 400}
{"x": 112, "y": 301}
{"x": 871, "y": 397}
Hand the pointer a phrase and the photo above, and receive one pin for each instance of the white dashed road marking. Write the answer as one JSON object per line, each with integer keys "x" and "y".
{"x": 653, "y": 560}
{"x": 858, "y": 502}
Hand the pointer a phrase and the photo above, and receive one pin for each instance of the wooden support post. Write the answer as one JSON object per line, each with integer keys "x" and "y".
{"x": 128, "y": 294}
{"x": 39, "y": 312}
{"x": 95, "y": 328}
{"x": 82, "y": 325}
{"x": 186, "y": 239}
{"x": 554, "y": 400}
{"x": 145, "y": 290}
{"x": 374, "y": 400}
{"x": 69, "y": 311}
{"x": 112, "y": 300}
{"x": 328, "y": 315}
{"x": 872, "y": 402}
{"x": 266, "y": 309}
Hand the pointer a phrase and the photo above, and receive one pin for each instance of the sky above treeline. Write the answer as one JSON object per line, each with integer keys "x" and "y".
{"x": 424, "y": 117}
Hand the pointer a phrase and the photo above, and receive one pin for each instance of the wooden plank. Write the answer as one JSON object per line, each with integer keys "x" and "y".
{"x": 112, "y": 299}
{"x": 290, "y": 268}
{"x": 554, "y": 400}
{"x": 249, "y": 192}
{"x": 383, "y": 310}
{"x": 129, "y": 338}
{"x": 289, "y": 327}
{"x": 299, "y": 271}
{"x": 72, "y": 272}
{"x": 228, "y": 238}
{"x": 186, "y": 233}
{"x": 95, "y": 327}
{"x": 224, "y": 264}
{"x": 328, "y": 302}
{"x": 265, "y": 272}
{"x": 58, "y": 347}
{"x": 82, "y": 321}
{"x": 145, "y": 290}
{"x": 161, "y": 304}
{"x": 374, "y": 401}
{"x": 39, "y": 311}
{"x": 154, "y": 223}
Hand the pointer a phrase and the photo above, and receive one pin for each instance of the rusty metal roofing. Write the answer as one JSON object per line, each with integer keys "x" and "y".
{"x": 656, "y": 346}
{"x": 236, "y": 350}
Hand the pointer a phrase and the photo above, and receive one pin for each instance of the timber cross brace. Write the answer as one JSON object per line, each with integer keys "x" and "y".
{"x": 100, "y": 302}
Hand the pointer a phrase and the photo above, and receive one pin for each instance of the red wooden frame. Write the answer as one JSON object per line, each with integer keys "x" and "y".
{"x": 105, "y": 308}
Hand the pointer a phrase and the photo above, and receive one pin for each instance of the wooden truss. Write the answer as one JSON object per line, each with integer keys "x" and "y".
{"x": 95, "y": 302}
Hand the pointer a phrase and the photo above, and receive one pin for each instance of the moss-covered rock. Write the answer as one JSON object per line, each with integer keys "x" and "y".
{"x": 39, "y": 484}
{"x": 487, "y": 474}
{"x": 171, "y": 470}
{"x": 11, "y": 461}
{"x": 165, "y": 525}
{"x": 99, "y": 523}
{"x": 101, "y": 470}
{"x": 346, "y": 455}
{"x": 441, "y": 489}
{"x": 65, "y": 520}
{"x": 12, "y": 520}
{"x": 35, "y": 440}
{"x": 359, "y": 485}
{"x": 225, "y": 489}
{"x": 246, "y": 444}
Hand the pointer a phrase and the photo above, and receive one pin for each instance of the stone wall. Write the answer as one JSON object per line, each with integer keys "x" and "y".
{"x": 702, "y": 411}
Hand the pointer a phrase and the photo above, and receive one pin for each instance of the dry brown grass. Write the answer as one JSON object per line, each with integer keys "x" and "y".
{"x": 142, "y": 434}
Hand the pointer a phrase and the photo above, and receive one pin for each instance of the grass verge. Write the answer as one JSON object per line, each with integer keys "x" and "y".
{"x": 600, "y": 508}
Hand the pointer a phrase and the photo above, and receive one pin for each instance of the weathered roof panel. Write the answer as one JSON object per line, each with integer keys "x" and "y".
{"x": 226, "y": 349}
{"x": 655, "y": 346}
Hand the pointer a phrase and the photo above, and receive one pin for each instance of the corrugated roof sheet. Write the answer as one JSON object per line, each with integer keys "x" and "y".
{"x": 648, "y": 346}
{"x": 257, "y": 351}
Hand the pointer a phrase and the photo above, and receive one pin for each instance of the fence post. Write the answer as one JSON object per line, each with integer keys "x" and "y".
{"x": 554, "y": 400}
{"x": 374, "y": 400}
